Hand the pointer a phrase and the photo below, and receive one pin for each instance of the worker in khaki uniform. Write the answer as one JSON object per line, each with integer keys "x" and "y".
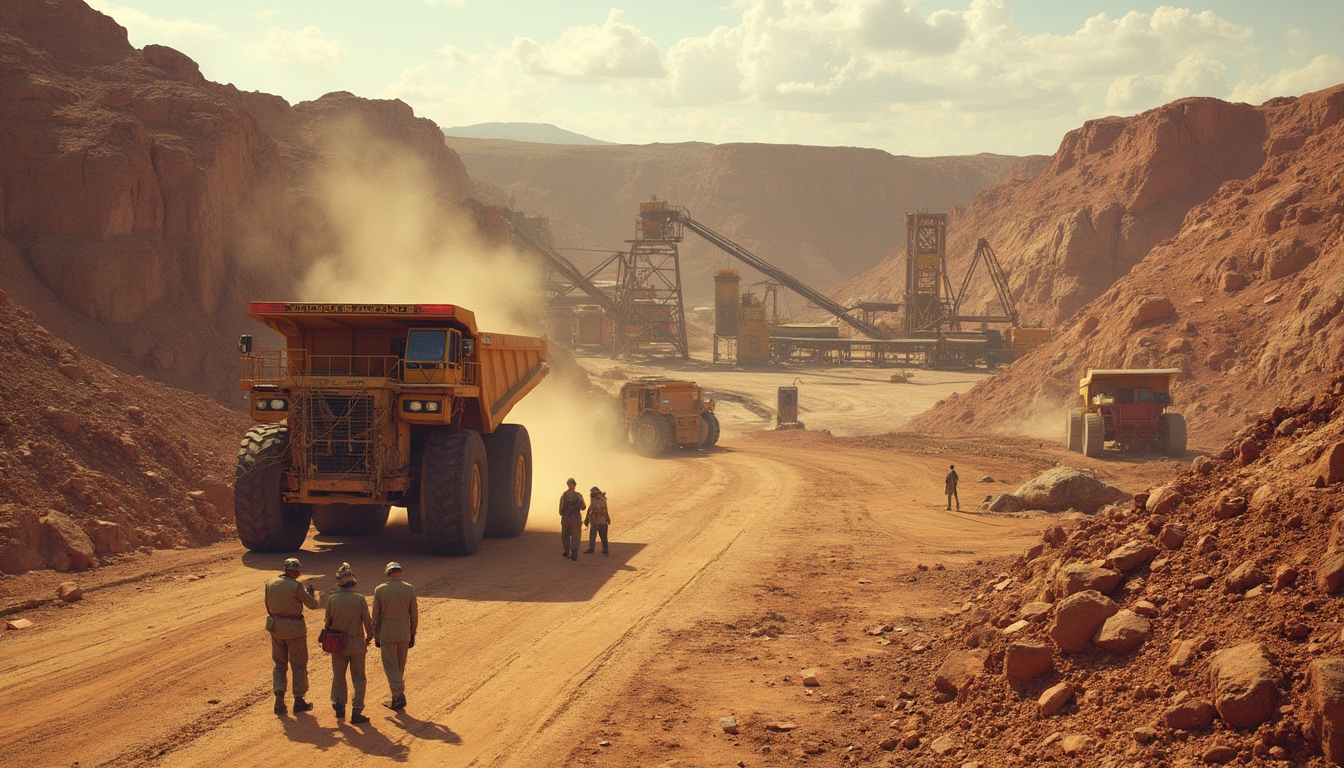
{"x": 285, "y": 601}
{"x": 597, "y": 520}
{"x": 395, "y": 618}
{"x": 348, "y": 613}
{"x": 571, "y": 519}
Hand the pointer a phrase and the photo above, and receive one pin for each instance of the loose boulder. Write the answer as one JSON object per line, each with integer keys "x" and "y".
{"x": 1078, "y": 617}
{"x": 1005, "y": 502}
{"x": 1330, "y": 468}
{"x": 1150, "y": 308}
{"x": 1245, "y": 684}
{"x": 65, "y": 545}
{"x": 959, "y": 668}
{"x": 1324, "y": 716}
{"x": 1189, "y": 715}
{"x": 1123, "y": 632}
{"x": 1064, "y": 488}
{"x": 1053, "y": 698}
{"x": 1163, "y": 500}
{"x": 1084, "y": 576}
{"x": 1026, "y": 659}
{"x": 1245, "y": 576}
{"x": 1130, "y": 555}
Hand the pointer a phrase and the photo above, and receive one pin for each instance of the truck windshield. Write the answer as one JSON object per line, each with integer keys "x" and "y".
{"x": 426, "y": 346}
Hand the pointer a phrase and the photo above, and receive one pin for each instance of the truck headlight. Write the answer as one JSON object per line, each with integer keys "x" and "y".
{"x": 432, "y": 406}
{"x": 416, "y": 406}
{"x": 278, "y": 405}
{"x": 263, "y": 405}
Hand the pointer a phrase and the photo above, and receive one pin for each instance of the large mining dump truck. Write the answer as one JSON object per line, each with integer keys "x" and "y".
{"x": 374, "y": 405}
{"x": 664, "y": 412}
{"x": 1131, "y": 408}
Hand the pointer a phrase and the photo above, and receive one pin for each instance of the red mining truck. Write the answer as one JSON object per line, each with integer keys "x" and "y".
{"x": 371, "y": 405}
{"x": 1128, "y": 407}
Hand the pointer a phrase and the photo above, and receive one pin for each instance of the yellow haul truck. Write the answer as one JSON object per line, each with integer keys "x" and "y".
{"x": 370, "y": 405}
{"x": 1128, "y": 407}
{"x": 664, "y": 412}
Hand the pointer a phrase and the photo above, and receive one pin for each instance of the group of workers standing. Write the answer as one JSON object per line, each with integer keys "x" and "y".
{"x": 572, "y": 520}
{"x": 391, "y": 628}
{"x": 392, "y": 624}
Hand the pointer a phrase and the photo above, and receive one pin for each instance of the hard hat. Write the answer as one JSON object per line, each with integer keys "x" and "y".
{"x": 571, "y": 481}
{"x": 392, "y": 566}
{"x": 292, "y": 564}
{"x": 595, "y": 489}
{"x": 345, "y": 575}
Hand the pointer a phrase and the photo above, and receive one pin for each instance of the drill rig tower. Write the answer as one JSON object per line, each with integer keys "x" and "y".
{"x": 650, "y": 313}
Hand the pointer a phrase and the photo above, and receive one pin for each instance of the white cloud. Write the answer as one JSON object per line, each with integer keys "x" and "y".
{"x": 592, "y": 54}
{"x": 1321, "y": 72}
{"x": 149, "y": 29}
{"x": 904, "y": 74}
{"x": 307, "y": 47}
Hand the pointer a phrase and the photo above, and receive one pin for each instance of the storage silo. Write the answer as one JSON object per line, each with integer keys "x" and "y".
{"x": 727, "y": 302}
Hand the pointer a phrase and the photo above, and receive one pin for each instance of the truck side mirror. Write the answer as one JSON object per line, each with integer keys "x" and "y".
{"x": 244, "y": 345}
{"x": 399, "y": 347}
{"x": 467, "y": 346}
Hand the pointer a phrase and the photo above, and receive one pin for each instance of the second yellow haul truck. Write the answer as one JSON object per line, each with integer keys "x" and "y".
{"x": 371, "y": 405}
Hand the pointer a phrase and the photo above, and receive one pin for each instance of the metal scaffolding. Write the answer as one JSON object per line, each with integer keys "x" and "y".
{"x": 650, "y": 313}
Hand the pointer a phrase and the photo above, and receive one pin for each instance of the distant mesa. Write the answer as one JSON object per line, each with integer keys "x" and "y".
{"x": 538, "y": 133}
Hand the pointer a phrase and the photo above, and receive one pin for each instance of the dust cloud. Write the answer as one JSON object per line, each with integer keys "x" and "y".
{"x": 391, "y": 238}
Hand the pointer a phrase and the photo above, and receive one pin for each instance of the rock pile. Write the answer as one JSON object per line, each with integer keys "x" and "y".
{"x": 95, "y": 463}
{"x": 1199, "y": 622}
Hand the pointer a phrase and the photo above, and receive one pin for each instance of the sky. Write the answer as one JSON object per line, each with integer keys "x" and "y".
{"x": 915, "y": 77}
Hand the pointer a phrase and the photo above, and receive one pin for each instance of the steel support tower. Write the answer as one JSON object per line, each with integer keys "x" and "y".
{"x": 650, "y": 313}
{"x": 928, "y": 292}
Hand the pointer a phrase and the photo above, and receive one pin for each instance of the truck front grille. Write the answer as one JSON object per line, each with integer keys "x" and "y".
{"x": 338, "y": 432}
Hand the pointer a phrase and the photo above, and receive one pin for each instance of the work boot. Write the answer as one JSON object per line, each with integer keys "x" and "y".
{"x": 357, "y": 716}
{"x": 340, "y": 711}
{"x": 302, "y": 706}
{"x": 605, "y": 552}
{"x": 588, "y": 551}
{"x": 575, "y": 556}
{"x": 565, "y": 553}
{"x": 280, "y": 708}
{"x": 398, "y": 701}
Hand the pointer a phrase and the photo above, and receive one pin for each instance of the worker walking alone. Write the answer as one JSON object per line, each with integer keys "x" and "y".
{"x": 597, "y": 520}
{"x": 950, "y": 487}
{"x": 571, "y": 519}
{"x": 348, "y": 613}
{"x": 395, "y": 619}
{"x": 285, "y": 601}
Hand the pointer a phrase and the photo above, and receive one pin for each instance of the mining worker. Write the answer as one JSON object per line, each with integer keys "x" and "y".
{"x": 950, "y": 487}
{"x": 597, "y": 520}
{"x": 571, "y": 519}
{"x": 348, "y": 613}
{"x": 285, "y": 600}
{"x": 395, "y": 618}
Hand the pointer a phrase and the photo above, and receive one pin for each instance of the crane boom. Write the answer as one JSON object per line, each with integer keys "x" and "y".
{"x": 775, "y": 273}
{"x": 1000, "y": 280}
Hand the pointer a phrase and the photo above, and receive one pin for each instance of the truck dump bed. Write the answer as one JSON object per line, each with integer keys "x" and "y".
{"x": 330, "y": 343}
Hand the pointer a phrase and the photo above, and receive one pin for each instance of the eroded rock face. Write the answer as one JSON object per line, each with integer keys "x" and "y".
{"x": 1324, "y": 722}
{"x": 1064, "y": 488}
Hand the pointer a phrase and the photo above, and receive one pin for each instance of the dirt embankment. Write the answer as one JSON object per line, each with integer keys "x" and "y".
{"x": 144, "y": 205}
{"x": 1245, "y": 296}
{"x": 95, "y": 463}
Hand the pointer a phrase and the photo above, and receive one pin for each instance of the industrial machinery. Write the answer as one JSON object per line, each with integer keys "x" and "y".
{"x": 370, "y": 405}
{"x": 663, "y": 412}
{"x": 786, "y": 412}
{"x": 1128, "y": 407}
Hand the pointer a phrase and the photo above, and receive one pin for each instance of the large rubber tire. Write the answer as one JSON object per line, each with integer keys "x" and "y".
{"x": 1073, "y": 438}
{"x": 1175, "y": 443}
{"x": 1094, "y": 435}
{"x": 454, "y": 491}
{"x": 651, "y": 434}
{"x": 509, "y": 452}
{"x": 265, "y": 522}
{"x": 350, "y": 519}
{"x": 709, "y": 429}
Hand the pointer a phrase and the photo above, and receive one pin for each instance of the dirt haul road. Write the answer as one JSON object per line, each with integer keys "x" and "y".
{"x": 519, "y": 651}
